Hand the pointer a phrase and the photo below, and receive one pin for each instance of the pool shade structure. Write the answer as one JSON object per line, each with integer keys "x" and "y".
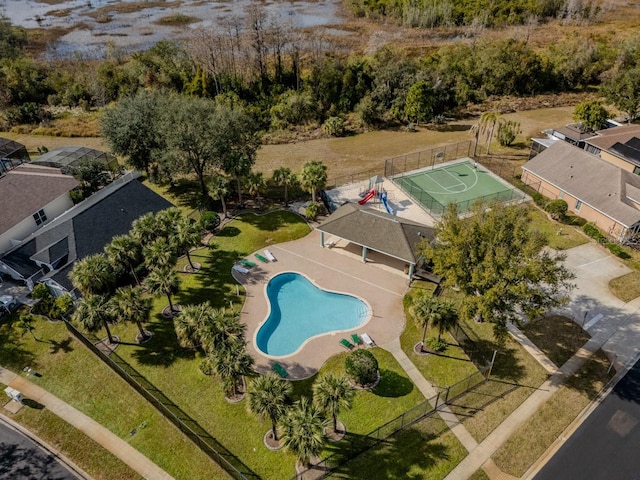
{"x": 381, "y": 232}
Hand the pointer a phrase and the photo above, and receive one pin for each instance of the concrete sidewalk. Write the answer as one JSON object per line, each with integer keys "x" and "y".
{"x": 111, "y": 442}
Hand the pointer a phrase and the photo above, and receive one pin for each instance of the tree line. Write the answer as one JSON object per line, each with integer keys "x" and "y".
{"x": 285, "y": 81}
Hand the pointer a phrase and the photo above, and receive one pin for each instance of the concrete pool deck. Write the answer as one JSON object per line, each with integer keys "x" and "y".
{"x": 381, "y": 283}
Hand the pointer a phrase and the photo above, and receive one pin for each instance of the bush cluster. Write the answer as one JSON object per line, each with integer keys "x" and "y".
{"x": 591, "y": 230}
{"x": 362, "y": 367}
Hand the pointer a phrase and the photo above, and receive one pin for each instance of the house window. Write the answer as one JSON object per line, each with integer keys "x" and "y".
{"x": 636, "y": 170}
{"x": 561, "y": 194}
{"x": 40, "y": 217}
{"x": 578, "y": 205}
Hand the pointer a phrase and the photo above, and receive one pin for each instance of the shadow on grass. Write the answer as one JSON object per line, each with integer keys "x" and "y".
{"x": 188, "y": 191}
{"x": 32, "y": 404}
{"x": 392, "y": 385}
{"x": 480, "y": 397}
{"x": 63, "y": 346}
{"x": 229, "y": 231}
{"x": 13, "y": 354}
{"x": 163, "y": 348}
{"x": 407, "y": 454}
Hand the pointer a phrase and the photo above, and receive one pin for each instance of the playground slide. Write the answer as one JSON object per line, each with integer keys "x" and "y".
{"x": 383, "y": 197}
{"x": 367, "y": 197}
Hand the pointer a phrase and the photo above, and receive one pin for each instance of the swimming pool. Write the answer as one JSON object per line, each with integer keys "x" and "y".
{"x": 299, "y": 310}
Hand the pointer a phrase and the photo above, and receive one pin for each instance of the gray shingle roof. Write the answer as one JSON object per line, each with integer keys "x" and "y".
{"x": 28, "y": 188}
{"x": 85, "y": 231}
{"x": 592, "y": 180}
{"x": 605, "y": 139}
{"x": 384, "y": 233}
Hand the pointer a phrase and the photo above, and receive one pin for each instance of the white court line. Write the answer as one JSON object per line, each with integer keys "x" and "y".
{"x": 475, "y": 174}
{"x": 446, "y": 190}
{"x": 457, "y": 180}
{"x": 307, "y": 260}
{"x": 591, "y": 263}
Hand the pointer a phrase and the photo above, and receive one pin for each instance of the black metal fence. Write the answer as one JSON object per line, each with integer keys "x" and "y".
{"x": 172, "y": 412}
{"x": 427, "y": 158}
{"x": 326, "y": 466}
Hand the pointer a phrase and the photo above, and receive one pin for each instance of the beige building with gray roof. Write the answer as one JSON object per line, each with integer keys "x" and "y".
{"x": 593, "y": 188}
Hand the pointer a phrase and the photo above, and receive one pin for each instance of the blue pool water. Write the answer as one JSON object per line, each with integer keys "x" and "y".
{"x": 300, "y": 310}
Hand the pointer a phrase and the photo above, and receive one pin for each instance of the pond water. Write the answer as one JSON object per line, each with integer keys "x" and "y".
{"x": 102, "y": 24}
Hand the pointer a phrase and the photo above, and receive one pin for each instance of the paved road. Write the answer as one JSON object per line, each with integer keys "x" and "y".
{"x": 605, "y": 446}
{"x": 21, "y": 458}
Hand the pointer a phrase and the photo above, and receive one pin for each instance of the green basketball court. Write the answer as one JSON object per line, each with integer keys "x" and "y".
{"x": 461, "y": 182}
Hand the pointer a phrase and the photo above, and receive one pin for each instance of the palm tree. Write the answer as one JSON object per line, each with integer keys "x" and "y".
{"x": 313, "y": 177}
{"x": 187, "y": 236}
{"x": 125, "y": 251}
{"x": 92, "y": 312}
{"x": 447, "y": 319}
{"x": 331, "y": 393}
{"x": 162, "y": 281}
{"x": 129, "y": 305}
{"x": 167, "y": 221}
{"x": 284, "y": 177}
{"x": 302, "y": 431}
{"x": 93, "y": 275}
{"x": 144, "y": 229}
{"x": 268, "y": 397}
{"x": 232, "y": 364}
{"x": 223, "y": 330}
{"x": 218, "y": 187}
{"x": 190, "y": 325}
{"x": 426, "y": 310}
{"x": 487, "y": 125}
{"x": 255, "y": 185}
{"x": 159, "y": 254}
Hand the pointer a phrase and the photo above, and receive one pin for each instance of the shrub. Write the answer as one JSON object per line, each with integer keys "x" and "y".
{"x": 591, "y": 230}
{"x": 210, "y": 221}
{"x": 507, "y": 132}
{"x": 362, "y": 367}
{"x": 61, "y": 305}
{"x": 557, "y": 209}
{"x": 334, "y": 126}
{"x": 539, "y": 200}
{"x": 436, "y": 345}
{"x": 617, "y": 250}
{"x": 313, "y": 210}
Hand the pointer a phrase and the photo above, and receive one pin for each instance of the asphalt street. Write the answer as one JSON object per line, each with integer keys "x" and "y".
{"x": 22, "y": 459}
{"x": 605, "y": 446}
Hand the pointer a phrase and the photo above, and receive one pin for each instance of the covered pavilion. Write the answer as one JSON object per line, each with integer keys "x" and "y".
{"x": 377, "y": 231}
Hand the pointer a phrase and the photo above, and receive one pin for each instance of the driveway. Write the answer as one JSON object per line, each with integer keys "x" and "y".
{"x": 595, "y": 308}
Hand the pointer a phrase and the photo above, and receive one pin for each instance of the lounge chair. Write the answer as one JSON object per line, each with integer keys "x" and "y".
{"x": 270, "y": 256}
{"x": 240, "y": 269}
{"x": 346, "y": 344}
{"x": 247, "y": 263}
{"x": 261, "y": 258}
{"x": 279, "y": 369}
{"x": 356, "y": 339}
{"x": 367, "y": 340}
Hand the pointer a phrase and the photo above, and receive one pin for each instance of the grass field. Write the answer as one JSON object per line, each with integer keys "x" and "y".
{"x": 626, "y": 287}
{"x": 558, "y": 337}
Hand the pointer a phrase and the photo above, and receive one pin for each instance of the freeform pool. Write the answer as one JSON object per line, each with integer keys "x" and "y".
{"x": 299, "y": 311}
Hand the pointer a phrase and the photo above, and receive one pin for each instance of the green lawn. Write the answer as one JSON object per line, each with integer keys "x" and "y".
{"x": 560, "y": 236}
{"x": 446, "y": 368}
{"x": 515, "y": 375}
{"x": 74, "y": 374}
{"x": 86, "y": 454}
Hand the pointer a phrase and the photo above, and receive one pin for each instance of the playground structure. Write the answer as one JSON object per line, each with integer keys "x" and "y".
{"x": 376, "y": 191}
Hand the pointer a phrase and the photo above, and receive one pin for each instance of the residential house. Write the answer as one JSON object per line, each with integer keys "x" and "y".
{"x": 32, "y": 196}
{"x": 619, "y": 146}
{"x": 593, "y": 188}
{"x": 48, "y": 255}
